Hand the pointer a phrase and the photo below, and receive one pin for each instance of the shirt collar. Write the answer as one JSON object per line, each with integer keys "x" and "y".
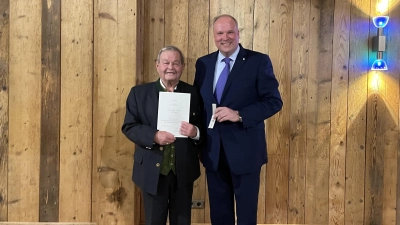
{"x": 165, "y": 89}
{"x": 232, "y": 57}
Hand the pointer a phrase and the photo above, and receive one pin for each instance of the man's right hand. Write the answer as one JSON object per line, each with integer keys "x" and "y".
{"x": 164, "y": 138}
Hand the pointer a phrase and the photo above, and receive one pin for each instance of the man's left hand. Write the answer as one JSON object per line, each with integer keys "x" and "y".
{"x": 226, "y": 114}
{"x": 188, "y": 129}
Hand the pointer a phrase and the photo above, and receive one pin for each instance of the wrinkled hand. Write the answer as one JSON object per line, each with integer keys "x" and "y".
{"x": 188, "y": 129}
{"x": 226, "y": 114}
{"x": 164, "y": 138}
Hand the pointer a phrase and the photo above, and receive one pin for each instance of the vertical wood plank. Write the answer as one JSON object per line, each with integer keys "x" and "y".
{"x": 261, "y": 44}
{"x": 356, "y": 110}
{"x": 374, "y": 180}
{"x": 218, "y": 7}
{"x": 176, "y": 25}
{"x": 24, "y": 110}
{"x": 114, "y": 199}
{"x": 340, "y": 78}
{"x": 50, "y": 114}
{"x": 244, "y": 14}
{"x": 278, "y": 138}
{"x": 319, "y": 107}
{"x": 261, "y": 35}
{"x": 298, "y": 116}
{"x": 198, "y": 42}
{"x": 389, "y": 92}
{"x": 154, "y": 37}
{"x": 4, "y": 95}
{"x": 76, "y": 110}
{"x": 393, "y": 57}
{"x": 381, "y": 137}
{"x": 140, "y": 40}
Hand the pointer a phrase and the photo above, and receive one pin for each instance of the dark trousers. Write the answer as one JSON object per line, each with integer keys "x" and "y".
{"x": 224, "y": 188}
{"x": 177, "y": 202}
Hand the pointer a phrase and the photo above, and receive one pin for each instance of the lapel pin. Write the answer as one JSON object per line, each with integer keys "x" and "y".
{"x": 243, "y": 59}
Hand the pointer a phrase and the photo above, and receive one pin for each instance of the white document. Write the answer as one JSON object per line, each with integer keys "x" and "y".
{"x": 173, "y": 108}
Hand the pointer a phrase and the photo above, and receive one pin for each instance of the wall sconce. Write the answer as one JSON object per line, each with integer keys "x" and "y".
{"x": 379, "y": 42}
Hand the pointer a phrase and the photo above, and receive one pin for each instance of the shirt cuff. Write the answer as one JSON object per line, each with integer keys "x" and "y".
{"x": 198, "y": 134}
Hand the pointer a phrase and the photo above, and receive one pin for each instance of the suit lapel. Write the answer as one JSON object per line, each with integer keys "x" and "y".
{"x": 153, "y": 99}
{"x": 236, "y": 69}
{"x": 209, "y": 78}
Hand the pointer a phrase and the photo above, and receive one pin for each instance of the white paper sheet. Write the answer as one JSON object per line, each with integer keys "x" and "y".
{"x": 173, "y": 108}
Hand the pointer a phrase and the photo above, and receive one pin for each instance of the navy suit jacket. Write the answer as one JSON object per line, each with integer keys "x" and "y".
{"x": 140, "y": 126}
{"x": 252, "y": 89}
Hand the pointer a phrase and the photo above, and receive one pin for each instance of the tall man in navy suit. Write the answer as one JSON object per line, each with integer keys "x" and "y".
{"x": 165, "y": 167}
{"x": 235, "y": 148}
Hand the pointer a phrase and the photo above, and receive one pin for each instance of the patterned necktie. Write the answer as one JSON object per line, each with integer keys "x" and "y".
{"x": 219, "y": 87}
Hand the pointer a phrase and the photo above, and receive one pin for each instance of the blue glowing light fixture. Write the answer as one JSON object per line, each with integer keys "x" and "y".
{"x": 379, "y": 42}
{"x": 380, "y": 21}
{"x": 379, "y": 64}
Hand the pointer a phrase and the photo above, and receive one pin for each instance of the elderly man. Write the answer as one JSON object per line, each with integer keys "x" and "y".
{"x": 165, "y": 167}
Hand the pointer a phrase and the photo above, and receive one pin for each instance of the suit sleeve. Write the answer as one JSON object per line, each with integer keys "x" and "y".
{"x": 269, "y": 99}
{"x": 133, "y": 127}
{"x": 197, "y": 115}
{"x": 199, "y": 75}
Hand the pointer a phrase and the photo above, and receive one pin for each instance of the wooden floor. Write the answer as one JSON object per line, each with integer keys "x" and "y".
{"x": 76, "y": 223}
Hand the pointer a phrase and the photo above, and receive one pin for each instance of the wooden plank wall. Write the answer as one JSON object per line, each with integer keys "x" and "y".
{"x": 66, "y": 68}
{"x": 332, "y": 147}
{"x": 4, "y": 79}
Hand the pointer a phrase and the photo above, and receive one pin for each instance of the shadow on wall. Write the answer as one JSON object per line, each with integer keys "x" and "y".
{"x": 116, "y": 193}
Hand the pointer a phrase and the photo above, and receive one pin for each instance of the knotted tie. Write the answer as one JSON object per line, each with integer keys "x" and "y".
{"x": 219, "y": 87}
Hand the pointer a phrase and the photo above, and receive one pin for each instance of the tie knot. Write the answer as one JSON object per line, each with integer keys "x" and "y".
{"x": 227, "y": 60}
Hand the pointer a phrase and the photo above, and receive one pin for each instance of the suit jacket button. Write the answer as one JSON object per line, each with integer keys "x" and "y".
{"x": 161, "y": 148}
{"x": 157, "y": 164}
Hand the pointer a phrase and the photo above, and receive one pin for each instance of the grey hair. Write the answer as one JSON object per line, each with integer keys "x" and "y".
{"x": 225, "y": 15}
{"x": 171, "y": 48}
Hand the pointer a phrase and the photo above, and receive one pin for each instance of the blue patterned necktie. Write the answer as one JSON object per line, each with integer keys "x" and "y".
{"x": 219, "y": 87}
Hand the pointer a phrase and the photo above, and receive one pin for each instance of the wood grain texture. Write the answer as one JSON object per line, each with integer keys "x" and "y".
{"x": 218, "y": 7}
{"x": 24, "y": 110}
{"x": 261, "y": 37}
{"x": 76, "y": 110}
{"x": 374, "y": 165}
{"x": 318, "y": 116}
{"x": 115, "y": 64}
{"x": 176, "y": 26}
{"x": 381, "y": 132}
{"x": 154, "y": 37}
{"x": 388, "y": 135}
{"x": 298, "y": 117}
{"x": 393, "y": 56}
{"x": 4, "y": 111}
{"x": 340, "y": 78}
{"x": 50, "y": 112}
{"x": 261, "y": 44}
{"x": 350, "y": 115}
{"x": 278, "y": 140}
{"x": 356, "y": 110}
{"x": 198, "y": 42}
{"x": 244, "y": 14}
